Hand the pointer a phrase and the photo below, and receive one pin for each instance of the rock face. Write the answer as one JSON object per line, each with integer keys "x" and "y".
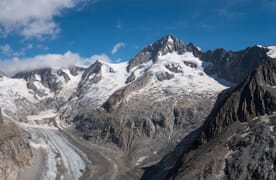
{"x": 234, "y": 66}
{"x": 254, "y": 97}
{"x": 120, "y": 95}
{"x": 44, "y": 76}
{"x": 253, "y": 152}
{"x": 237, "y": 140}
{"x": 91, "y": 75}
{"x": 47, "y": 81}
{"x": 15, "y": 151}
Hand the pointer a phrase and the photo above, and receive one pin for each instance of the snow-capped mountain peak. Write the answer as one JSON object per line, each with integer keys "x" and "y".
{"x": 47, "y": 82}
{"x": 167, "y": 44}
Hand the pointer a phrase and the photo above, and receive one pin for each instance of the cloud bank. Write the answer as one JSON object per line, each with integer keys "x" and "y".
{"x": 11, "y": 67}
{"x": 33, "y": 18}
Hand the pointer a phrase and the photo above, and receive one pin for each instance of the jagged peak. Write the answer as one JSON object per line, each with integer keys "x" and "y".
{"x": 168, "y": 39}
{"x": 254, "y": 97}
{"x": 163, "y": 46}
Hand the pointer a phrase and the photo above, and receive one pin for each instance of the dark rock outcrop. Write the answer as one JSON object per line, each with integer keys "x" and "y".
{"x": 91, "y": 75}
{"x": 161, "y": 76}
{"x": 119, "y": 96}
{"x": 131, "y": 78}
{"x": 234, "y": 66}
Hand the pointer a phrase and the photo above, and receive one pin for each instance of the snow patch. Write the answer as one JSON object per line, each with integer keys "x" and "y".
{"x": 140, "y": 160}
{"x": 39, "y": 145}
{"x": 272, "y": 51}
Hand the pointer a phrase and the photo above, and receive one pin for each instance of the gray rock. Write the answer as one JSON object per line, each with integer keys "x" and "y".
{"x": 131, "y": 78}
{"x": 176, "y": 68}
{"x": 161, "y": 76}
{"x": 91, "y": 75}
{"x": 234, "y": 66}
{"x": 119, "y": 96}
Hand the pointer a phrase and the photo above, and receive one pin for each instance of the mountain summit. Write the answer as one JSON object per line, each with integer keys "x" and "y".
{"x": 167, "y": 44}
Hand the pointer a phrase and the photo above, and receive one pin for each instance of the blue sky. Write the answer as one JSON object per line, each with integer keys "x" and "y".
{"x": 94, "y": 27}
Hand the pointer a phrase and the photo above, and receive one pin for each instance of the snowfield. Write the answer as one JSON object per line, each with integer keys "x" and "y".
{"x": 12, "y": 90}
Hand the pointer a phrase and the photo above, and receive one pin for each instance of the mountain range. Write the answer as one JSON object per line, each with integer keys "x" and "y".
{"x": 173, "y": 111}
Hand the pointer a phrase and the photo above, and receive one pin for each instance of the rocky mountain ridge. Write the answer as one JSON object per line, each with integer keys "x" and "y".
{"x": 238, "y": 136}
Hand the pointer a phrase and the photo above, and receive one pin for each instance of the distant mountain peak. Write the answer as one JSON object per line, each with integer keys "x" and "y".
{"x": 168, "y": 39}
{"x": 163, "y": 46}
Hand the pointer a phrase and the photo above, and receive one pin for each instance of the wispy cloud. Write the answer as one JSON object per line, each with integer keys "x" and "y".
{"x": 33, "y": 18}
{"x": 8, "y": 51}
{"x": 117, "y": 47}
{"x": 5, "y": 49}
{"x": 119, "y": 25}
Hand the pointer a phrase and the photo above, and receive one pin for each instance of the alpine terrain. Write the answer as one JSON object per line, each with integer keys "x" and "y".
{"x": 173, "y": 111}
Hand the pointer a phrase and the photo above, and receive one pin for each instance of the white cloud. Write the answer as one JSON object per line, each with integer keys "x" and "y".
{"x": 33, "y": 18}
{"x": 6, "y": 49}
{"x": 11, "y": 67}
{"x": 117, "y": 47}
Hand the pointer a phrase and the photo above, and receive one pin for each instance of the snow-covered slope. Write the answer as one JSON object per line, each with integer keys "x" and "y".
{"x": 15, "y": 98}
{"x": 182, "y": 73}
{"x": 272, "y": 51}
{"x": 96, "y": 86}
{"x": 12, "y": 90}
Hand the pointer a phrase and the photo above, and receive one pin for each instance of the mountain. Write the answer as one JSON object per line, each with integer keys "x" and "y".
{"x": 236, "y": 141}
{"x": 168, "y": 95}
{"x": 167, "y": 44}
{"x": 132, "y": 114}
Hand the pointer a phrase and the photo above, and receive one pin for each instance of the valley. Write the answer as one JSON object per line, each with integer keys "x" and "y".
{"x": 67, "y": 156}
